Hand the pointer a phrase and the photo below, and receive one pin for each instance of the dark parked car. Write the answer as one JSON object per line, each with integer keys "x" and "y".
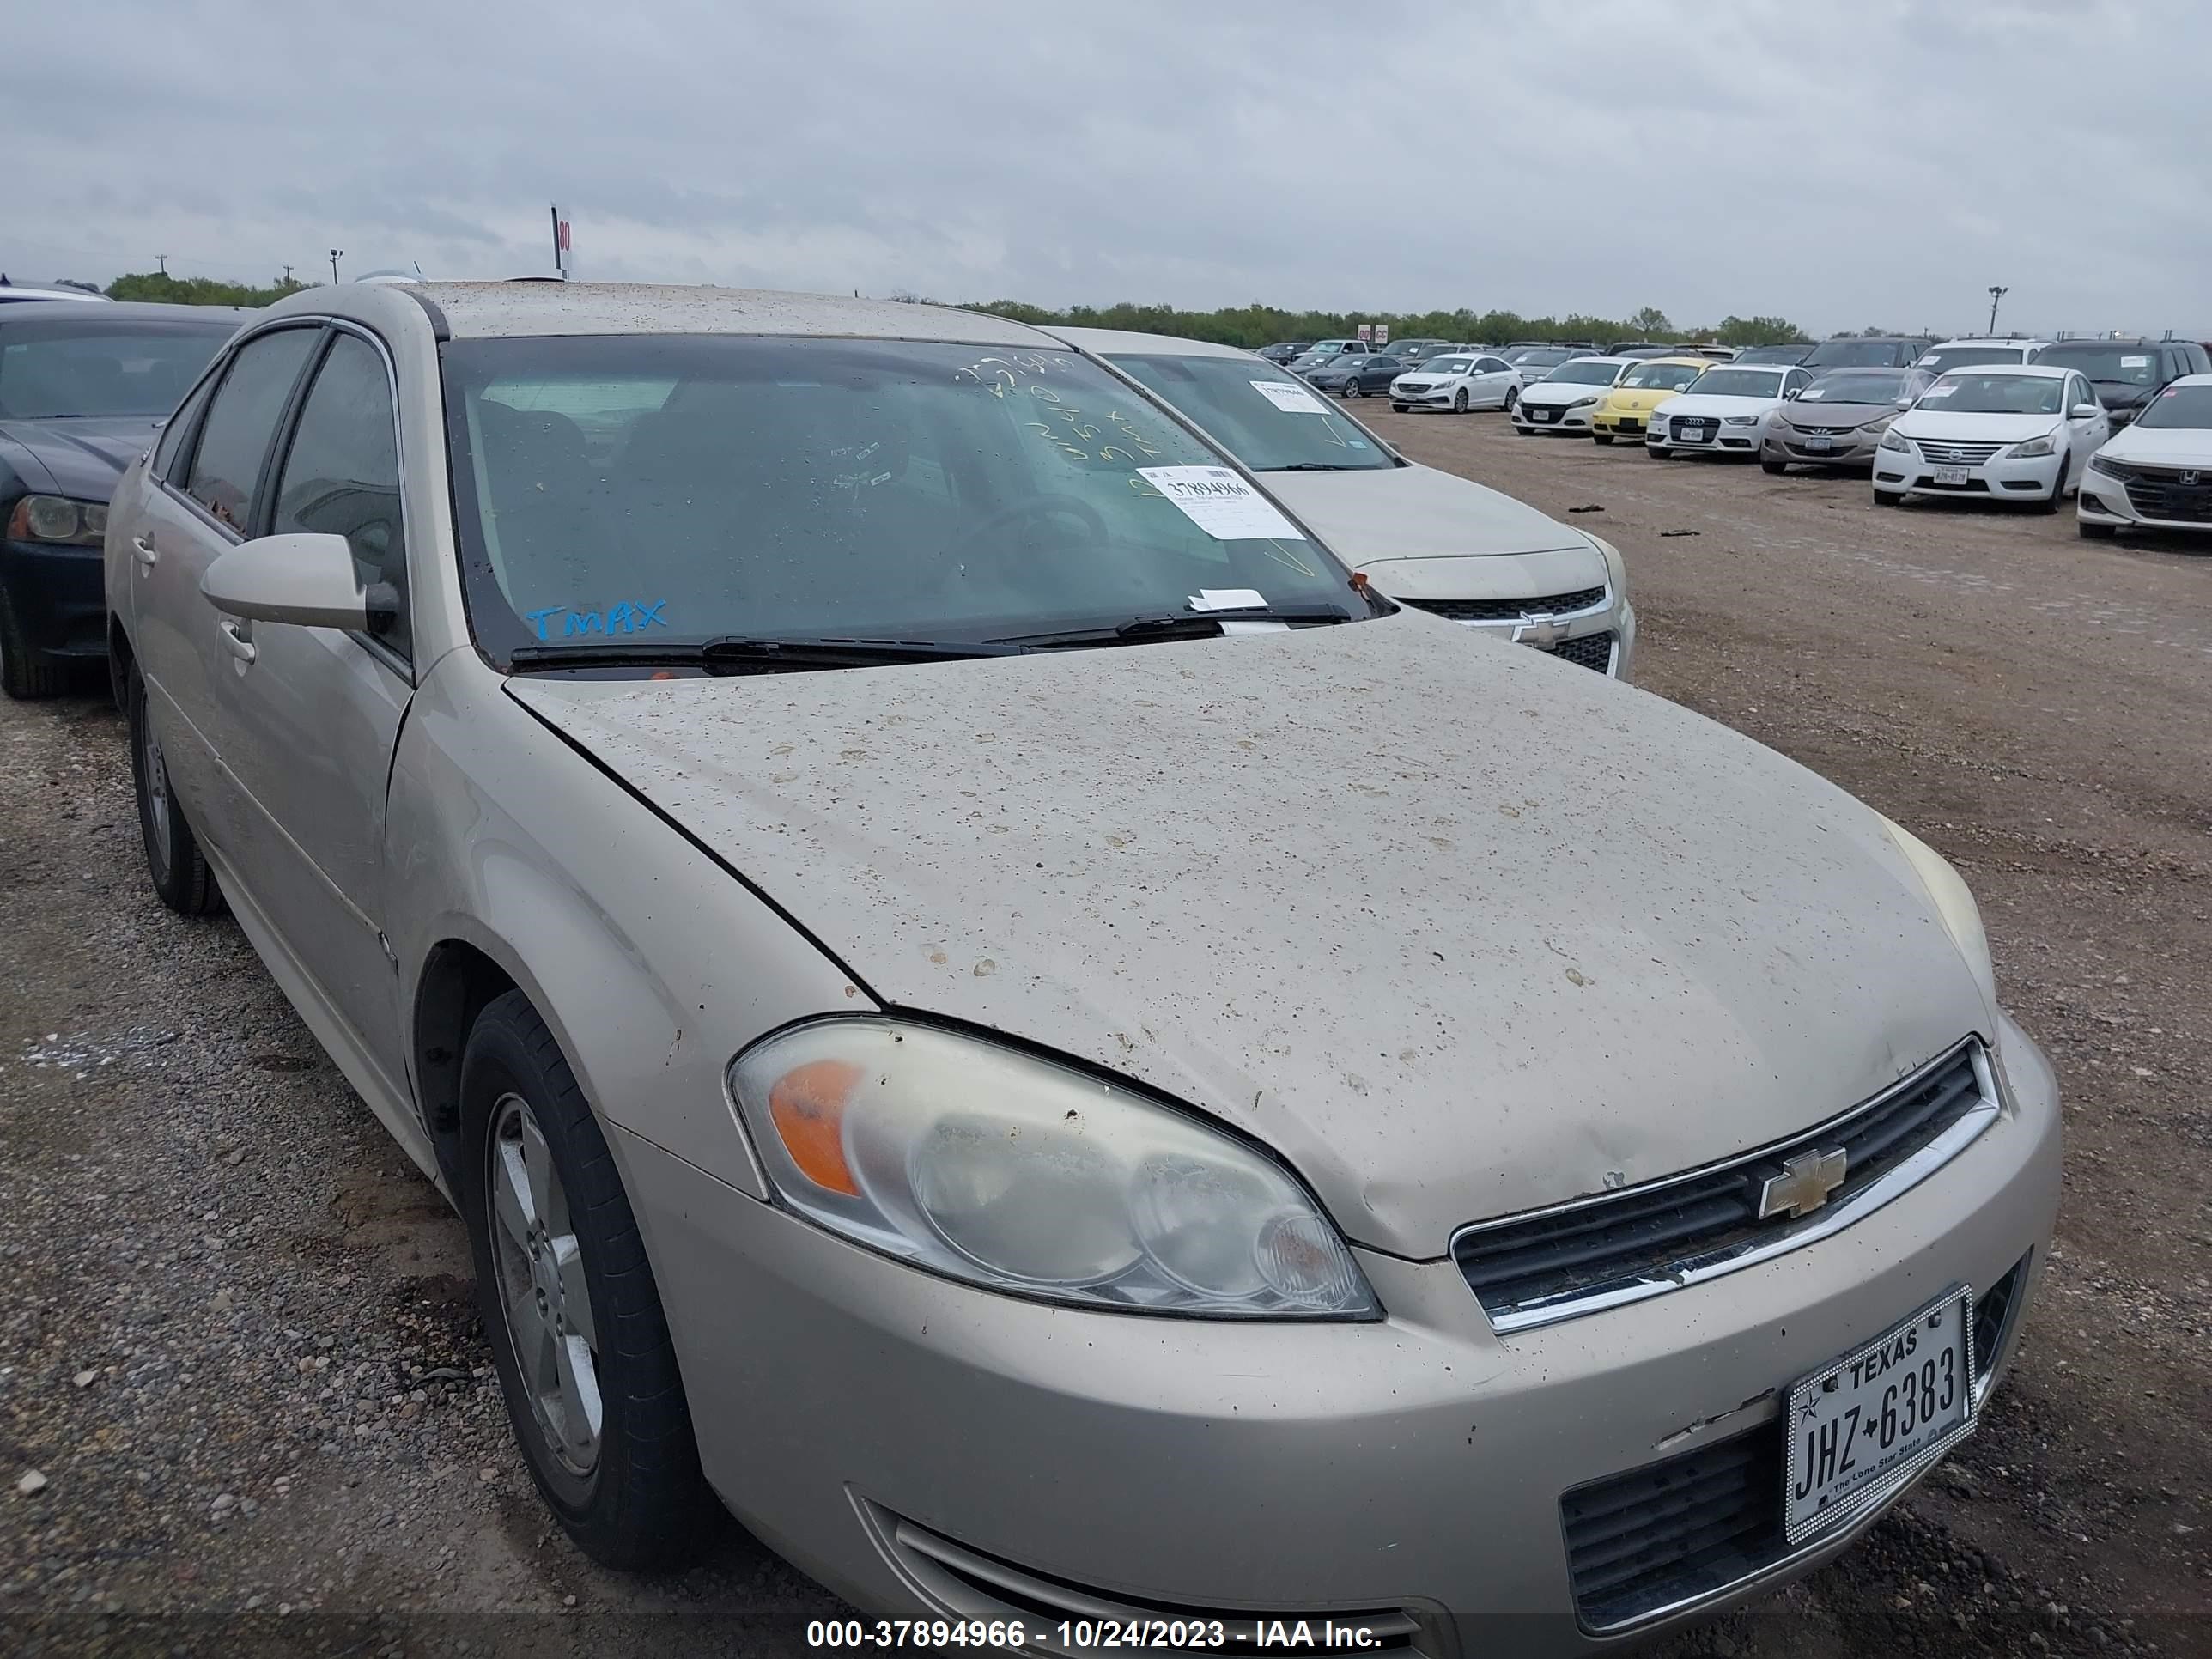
{"x": 1355, "y": 377}
{"x": 1282, "y": 350}
{"x": 1859, "y": 351}
{"x": 1775, "y": 354}
{"x": 82, "y": 388}
{"x": 2128, "y": 373}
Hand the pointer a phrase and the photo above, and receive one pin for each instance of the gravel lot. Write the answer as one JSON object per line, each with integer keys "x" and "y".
{"x": 245, "y": 1405}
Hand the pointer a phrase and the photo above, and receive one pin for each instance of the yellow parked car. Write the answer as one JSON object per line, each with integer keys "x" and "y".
{"x": 1624, "y": 411}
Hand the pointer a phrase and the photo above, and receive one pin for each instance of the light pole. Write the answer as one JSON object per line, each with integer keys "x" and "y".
{"x": 162, "y": 260}
{"x": 335, "y": 252}
{"x": 1996, "y": 295}
{"x": 288, "y": 275}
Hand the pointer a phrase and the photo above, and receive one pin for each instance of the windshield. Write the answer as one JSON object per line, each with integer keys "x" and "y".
{"x": 1447, "y": 365}
{"x": 667, "y": 490}
{"x": 1267, "y": 423}
{"x": 1734, "y": 382}
{"x": 2179, "y": 406}
{"x": 1584, "y": 373}
{"x": 1538, "y": 356}
{"x": 1671, "y": 377}
{"x": 2107, "y": 365}
{"x": 1773, "y": 354}
{"x": 55, "y": 369}
{"x": 1944, "y": 358}
{"x": 1971, "y": 393}
{"x": 1866, "y": 354}
{"x": 1856, "y": 385}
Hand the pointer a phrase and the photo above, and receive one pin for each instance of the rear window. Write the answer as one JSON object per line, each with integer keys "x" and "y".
{"x": 79, "y": 368}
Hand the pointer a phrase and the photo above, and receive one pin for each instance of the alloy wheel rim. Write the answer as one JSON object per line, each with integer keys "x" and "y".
{"x": 551, "y": 1325}
{"x": 157, "y": 792}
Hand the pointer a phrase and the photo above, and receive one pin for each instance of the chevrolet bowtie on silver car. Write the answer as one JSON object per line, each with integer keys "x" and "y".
{"x": 988, "y": 1005}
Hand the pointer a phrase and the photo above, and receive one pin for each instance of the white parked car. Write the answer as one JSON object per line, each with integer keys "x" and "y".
{"x": 1724, "y": 411}
{"x": 2157, "y": 471}
{"x": 1457, "y": 382}
{"x": 1965, "y": 354}
{"x": 1564, "y": 399}
{"x": 1998, "y": 432}
{"x": 1428, "y": 538}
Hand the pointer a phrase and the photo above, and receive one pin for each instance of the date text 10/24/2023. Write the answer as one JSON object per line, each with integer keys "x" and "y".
{"x": 1104, "y": 1635}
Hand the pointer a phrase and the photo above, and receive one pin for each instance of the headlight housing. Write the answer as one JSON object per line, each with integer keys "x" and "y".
{"x": 1890, "y": 440}
{"x": 1880, "y": 423}
{"x": 2099, "y": 464}
{"x": 1616, "y": 567}
{"x": 1948, "y": 891}
{"x": 1026, "y": 1177}
{"x": 58, "y": 519}
{"x": 2033, "y": 448}
{"x": 1739, "y": 420}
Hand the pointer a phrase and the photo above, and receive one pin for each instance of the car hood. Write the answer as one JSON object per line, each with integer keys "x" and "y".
{"x": 80, "y": 458}
{"x": 1417, "y": 513}
{"x": 1636, "y": 399}
{"x": 2171, "y": 445}
{"x": 1821, "y": 413}
{"x": 1985, "y": 428}
{"x": 1706, "y": 403}
{"x": 1560, "y": 392}
{"x": 1459, "y": 928}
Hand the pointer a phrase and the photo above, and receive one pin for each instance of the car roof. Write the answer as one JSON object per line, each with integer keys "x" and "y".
{"x": 1986, "y": 340}
{"x": 1599, "y": 357}
{"x": 2045, "y": 371}
{"x": 1113, "y": 342}
{"x": 2188, "y": 379}
{"x": 130, "y": 310}
{"x": 1699, "y": 361}
{"x": 483, "y": 310}
{"x": 2137, "y": 345}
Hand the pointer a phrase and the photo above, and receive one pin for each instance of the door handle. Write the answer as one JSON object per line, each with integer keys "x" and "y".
{"x": 143, "y": 547}
{"x": 235, "y": 636}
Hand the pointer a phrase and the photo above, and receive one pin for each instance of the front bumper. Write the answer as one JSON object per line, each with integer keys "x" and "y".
{"x": 1434, "y": 397}
{"x": 1620, "y": 422}
{"x": 1854, "y": 449}
{"x": 60, "y": 598}
{"x": 1720, "y": 438}
{"x": 867, "y": 1419}
{"x": 2107, "y": 499}
{"x": 1996, "y": 479}
{"x": 1553, "y": 417}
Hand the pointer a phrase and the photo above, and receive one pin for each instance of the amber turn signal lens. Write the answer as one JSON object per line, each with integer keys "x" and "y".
{"x": 807, "y": 1104}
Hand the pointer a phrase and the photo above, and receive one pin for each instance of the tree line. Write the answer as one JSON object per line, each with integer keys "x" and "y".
{"x": 1255, "y": 325}
{"x": 164, "y": 290}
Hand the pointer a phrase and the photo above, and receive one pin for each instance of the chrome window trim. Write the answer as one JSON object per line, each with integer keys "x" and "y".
{"x": 1823, "y": 1224}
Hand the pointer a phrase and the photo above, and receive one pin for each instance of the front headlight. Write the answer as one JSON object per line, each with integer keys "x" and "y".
{"x": 2099, "y": 464}
{"x": 1582, "y": 403}
{"x": 57, "y": 518}
{"x": 1890, "y": 440}
{"x": 2033, "y": 448}
{"x": 1020, "y": 1174}
{"x": 1880, "y": 423}
{"x": 1616, "y": 567}
{"x": 1740, "y": 420}
{"x": 1955, "y": 903}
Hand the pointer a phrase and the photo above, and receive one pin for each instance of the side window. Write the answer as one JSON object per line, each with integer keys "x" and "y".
{"x": 241, "y": 421}
{"x": 174, "y": 430}
{"x": 341, "y": 475}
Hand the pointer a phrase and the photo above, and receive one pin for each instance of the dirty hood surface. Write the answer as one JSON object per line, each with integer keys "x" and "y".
{"x": 1419, "y": 512}
{"x": 1458, "y": 929}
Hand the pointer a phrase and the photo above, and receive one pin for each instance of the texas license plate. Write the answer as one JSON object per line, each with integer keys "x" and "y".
{"x": 1695, "y": 431}
{"x": 1862, "y": 1426}
{"x": 1543, "y": 414}
{"x": 1951, "y": 474}
{"x": 1818, "y": 445}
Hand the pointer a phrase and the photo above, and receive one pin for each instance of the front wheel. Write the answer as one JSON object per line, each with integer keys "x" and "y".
{"x": 1601, "y": 437}
{"x": 1768, "y": 463}
{"x": 2058, "y": 485}
{"x": 569, "y": 1307}
{"x": 2096, "y": 533}
{"x": 22, "y": 675}
{"x": 1354, "y": 389}
{"x": 1398, "y": 408}
{"x": 1884, "y": 498}
{"x": 1656, "y": 453}
{"x": 179, "y": 870}
{"x": 1459, "y": 401}
{"x": 1512, "y": 398}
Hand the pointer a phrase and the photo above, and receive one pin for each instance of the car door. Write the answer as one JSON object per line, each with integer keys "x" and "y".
{"x": 2085, "y": 435}
{"x": 190, "y": 517}
{"x": 1489, "y": 379}
{"x": 308, "y": 717}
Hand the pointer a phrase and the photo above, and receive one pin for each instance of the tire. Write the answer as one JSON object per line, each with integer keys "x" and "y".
{"x": 1459, "y": 401}
{"x": 1605, "y": 438}
{"x": 1653, "y": 452}
{"x": 2096, "y": 533}
{"x": 2057, "y": 486}
{"x": 1768, "y": 464}
{"x": 1512, "y": 398}
{"x": 1883, "y": 498}
{"x": 22, "y": 675}
{"x": 174, "y": 863}
{"x": 1524, "y": 431}
{"x": 1399, "y": 408}
{"x": 537, "y": 1184}
{"x": 1354, "y": 389}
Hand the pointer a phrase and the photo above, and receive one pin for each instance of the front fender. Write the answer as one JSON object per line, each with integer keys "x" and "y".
{"x": 652, "y": 963}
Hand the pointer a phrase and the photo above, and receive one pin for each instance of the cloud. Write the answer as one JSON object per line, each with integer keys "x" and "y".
{"x": 1880, "y": 163}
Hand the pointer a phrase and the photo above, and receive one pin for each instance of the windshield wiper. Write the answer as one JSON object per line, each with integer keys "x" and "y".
{"x": 1181, "y": 625}
{"x": 738, "y": 654}
{"x": 1314, "y": 466}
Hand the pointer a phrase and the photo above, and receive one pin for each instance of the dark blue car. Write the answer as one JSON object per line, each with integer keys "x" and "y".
{"x": 82, "y": 389}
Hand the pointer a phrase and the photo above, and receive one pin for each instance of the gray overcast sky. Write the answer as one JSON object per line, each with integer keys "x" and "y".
{"x": 1879, "y": 161}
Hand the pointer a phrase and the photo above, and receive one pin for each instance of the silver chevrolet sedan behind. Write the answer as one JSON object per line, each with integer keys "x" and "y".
{"x": 989, "y": 1004}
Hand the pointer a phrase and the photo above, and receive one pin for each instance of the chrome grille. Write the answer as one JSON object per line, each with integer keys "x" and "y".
{"x": 1591, "y": 651}
{"x": 1955, "y": 452}
{"x": 1550, "y": 604}
{"x": 1643, "y": 1240}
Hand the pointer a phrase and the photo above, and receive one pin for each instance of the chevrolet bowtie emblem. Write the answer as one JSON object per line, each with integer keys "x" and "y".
{"x": 1545, "y": 632}
{"x": 1804, "y": 1184}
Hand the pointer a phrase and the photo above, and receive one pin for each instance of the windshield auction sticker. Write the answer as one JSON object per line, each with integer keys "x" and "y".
{"x": 1291, "y": 400}
{"x": 1220, "y": 502}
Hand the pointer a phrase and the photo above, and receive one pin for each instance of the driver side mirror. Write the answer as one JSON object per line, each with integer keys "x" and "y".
{"x": 2086, "y": 411}
{"x": 305, "y": 579}
{"x": 1904, "y": 402}
{"x": 1790, "y": 396}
